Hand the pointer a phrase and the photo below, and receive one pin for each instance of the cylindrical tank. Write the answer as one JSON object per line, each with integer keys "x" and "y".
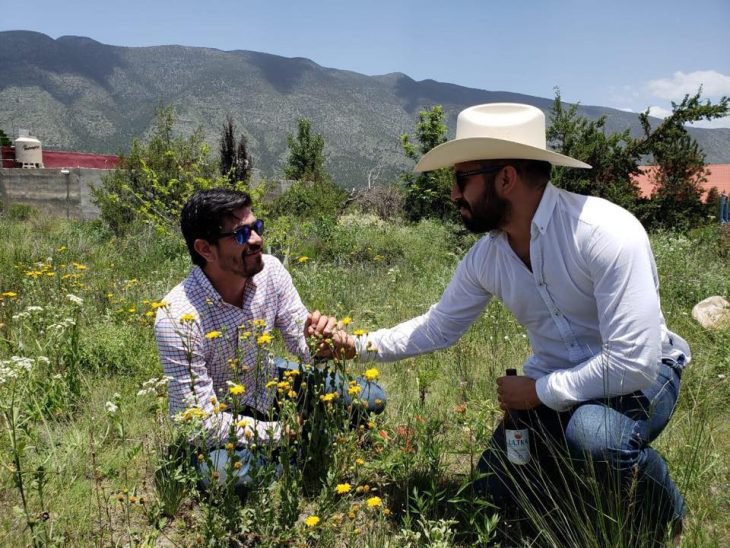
{"x": 28, "y": 152}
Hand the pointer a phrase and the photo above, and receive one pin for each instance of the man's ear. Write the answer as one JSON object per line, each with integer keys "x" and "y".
{"x": 506, "y": 180}
{"x": 205, "y": 250}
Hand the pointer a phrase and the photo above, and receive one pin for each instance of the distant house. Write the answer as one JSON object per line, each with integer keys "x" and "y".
{"x": 718, "y": 176}
{"x": 54, "y": 182}
{"x": 58, "y": 159}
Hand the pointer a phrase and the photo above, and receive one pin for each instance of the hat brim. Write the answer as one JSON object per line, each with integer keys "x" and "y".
{"x": 485, "y": 148}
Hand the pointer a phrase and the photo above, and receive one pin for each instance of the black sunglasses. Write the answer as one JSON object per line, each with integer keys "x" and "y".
{"x": 243, "y": 233}
{"x": 460, "y": 177}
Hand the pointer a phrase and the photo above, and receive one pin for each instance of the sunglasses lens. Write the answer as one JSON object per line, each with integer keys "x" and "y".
{"x": 258, "y": 226}
{"x": 242, "y": 234}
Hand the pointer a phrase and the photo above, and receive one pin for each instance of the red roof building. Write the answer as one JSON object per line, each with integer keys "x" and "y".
{"x": 718, "y": 176}
{"x": 58, "y": 159}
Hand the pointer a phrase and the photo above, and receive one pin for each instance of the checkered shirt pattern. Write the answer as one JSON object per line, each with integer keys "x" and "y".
{"x": 234, "y": 355}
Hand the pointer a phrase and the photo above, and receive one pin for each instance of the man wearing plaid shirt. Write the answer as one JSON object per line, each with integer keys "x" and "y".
{"x": 213, "y": 331}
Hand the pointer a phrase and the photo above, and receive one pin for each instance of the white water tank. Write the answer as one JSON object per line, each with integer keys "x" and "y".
{"x": 28, "y": 151}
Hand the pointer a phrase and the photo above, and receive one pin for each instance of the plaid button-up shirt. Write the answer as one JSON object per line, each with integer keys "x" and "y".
{"x": 205, "y": 343}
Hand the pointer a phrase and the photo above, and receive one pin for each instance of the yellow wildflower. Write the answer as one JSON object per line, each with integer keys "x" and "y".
{"x": 210, "y": 335}
{"x": 244, "y": 422}
{"x": 359, "y": 332}
{"x": 259, "y": 323}
{"x": 354, "y": 390}
{"x": 237, "y": 389}
{"x": 149, "y": 313}
{"x": 263, "y": 340}
{"x": 347, "y": 320}
{"x": 80, "y": 266}
{"x": 303, "y": 259}
{"x": 343, "y": 488}
{"x": 187, "y": 318}
{"x": 359, "y": 461}
{"x": 62, "y": 248}
{"x": 311, "y": 521}
{"x": 230, "y": 447}
{"x": 371, "y": 374}
{"x": 291, "y": 373}
{"x": 244, "y": 335}
{"x": 327, "y": 398}
{"x": 272, "y": 384}
{"x": 192, "y": 413}
{"x": 158, "y": 304}
{"x": 10, "y": 294}
{"x": 374, "y": 502}
{"x": 292, "y": 394}
{"x": 237, "y": 465}
{"x": 131, "y": 310}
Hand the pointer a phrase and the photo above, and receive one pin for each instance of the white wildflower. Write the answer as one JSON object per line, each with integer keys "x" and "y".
{"x": 74, "y": 299}
{"x": 111, "y": 407}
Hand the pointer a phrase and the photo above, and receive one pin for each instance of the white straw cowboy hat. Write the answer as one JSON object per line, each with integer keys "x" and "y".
{"x": 496, "y": 131}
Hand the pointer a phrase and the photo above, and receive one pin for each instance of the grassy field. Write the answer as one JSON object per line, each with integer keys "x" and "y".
{"x": 86, "y": 460}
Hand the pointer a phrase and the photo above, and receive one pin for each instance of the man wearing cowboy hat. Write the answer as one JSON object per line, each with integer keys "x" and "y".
{"x": 579, "y": 274}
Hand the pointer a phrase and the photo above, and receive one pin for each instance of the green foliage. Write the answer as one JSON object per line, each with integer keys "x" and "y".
{"x": 4, "y": 139}
{"x": 89, "y": 465}
{"x": 236, "y": 163}
{"x": 681, "y": 163}
{"x": 306, "y": 155}
{"x": 614, "y": 158}
{"x": 156, "y": 178}
{"x": 310, "y": 200}
{"x": 427, "y": 195}
{"x": 19, "y": 212}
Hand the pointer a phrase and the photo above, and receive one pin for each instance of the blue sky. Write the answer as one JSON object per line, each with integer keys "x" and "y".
{"x": 617, "y": 53}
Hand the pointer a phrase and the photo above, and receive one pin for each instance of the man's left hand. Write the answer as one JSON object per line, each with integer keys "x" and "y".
{"x": 517, "y": 392}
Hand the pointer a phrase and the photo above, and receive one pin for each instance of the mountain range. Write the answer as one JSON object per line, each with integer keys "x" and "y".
{"x": 75, "y": 93}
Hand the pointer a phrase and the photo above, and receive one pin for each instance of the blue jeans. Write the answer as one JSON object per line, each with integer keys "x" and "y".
{"x": 610, "y": 436}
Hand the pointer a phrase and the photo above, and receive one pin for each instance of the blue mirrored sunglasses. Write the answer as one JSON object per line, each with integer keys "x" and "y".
{"x": 460, "y": 177}
{"x": 243, "y": 233}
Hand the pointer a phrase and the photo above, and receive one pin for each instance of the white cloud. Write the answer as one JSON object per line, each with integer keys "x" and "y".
{"x": 680, "y": 84}
{"x": 659, "y": 112}
{"x": 713, "y": 124}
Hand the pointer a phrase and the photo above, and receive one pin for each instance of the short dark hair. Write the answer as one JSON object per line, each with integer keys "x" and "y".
{"x": 535, "y": 172}
{"x": 205, "y": 212}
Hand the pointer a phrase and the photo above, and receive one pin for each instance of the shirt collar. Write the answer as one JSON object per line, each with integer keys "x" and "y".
{"x": 544, "y": 213}
{"x": 210, "y": 292}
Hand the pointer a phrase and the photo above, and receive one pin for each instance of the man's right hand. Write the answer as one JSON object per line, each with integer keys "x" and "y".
{"x": 328, "y": 329}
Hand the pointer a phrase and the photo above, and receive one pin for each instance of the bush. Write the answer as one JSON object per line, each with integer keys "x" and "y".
{"x": 20, "y": 212}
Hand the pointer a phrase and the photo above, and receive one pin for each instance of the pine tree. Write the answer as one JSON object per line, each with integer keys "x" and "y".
{"x": 235, "y": 161}
{"x": 427, "y": 194}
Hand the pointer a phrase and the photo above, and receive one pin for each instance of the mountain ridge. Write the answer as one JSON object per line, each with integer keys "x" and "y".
{"x": 77, "y": 93}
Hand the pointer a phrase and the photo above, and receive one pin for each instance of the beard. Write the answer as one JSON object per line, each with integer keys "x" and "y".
{"x": 490, "y": 213}
{"x": 252, "y": 261}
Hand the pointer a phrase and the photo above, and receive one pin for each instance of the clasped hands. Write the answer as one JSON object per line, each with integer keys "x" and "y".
{"x": 335, "y": 340}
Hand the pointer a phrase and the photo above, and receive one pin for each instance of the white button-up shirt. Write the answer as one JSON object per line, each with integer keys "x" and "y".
{"x": 590, "y": 304}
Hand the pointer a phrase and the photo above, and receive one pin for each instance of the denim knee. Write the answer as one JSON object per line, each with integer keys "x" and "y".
{"x": 602, "y": 435}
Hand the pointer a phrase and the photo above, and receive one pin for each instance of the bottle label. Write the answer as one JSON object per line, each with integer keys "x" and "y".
{"x": 518, "y": 446}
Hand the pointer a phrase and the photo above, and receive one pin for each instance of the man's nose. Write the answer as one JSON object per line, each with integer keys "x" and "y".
{"x": 254, "y": 238}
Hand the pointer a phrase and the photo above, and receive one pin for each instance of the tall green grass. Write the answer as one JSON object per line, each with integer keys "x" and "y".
{"x": 422, "y": 452}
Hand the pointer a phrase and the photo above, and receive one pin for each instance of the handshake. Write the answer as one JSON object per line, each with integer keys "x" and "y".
{"x": 335, "y": 341}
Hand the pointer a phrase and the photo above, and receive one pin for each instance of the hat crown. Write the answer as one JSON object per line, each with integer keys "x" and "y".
{"x": 513, "y": 122}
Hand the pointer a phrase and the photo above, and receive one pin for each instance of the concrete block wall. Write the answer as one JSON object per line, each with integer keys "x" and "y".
{"x": 52, "y": 192}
